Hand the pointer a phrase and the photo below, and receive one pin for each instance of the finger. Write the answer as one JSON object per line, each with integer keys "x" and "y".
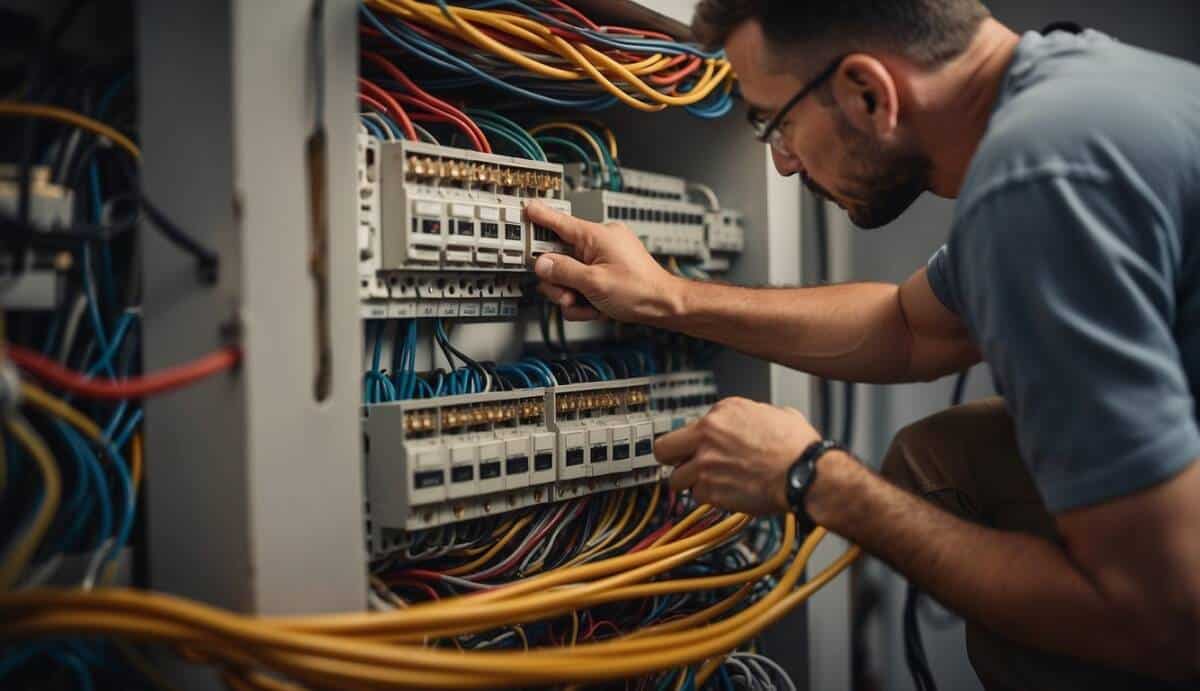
{"x": 678, "y": 446}
{"x": 581, "y": 313}
{"x": 566, "y": 272}
{"x": 572, "y": 230}
{"x": 684, "y": 476}
{"x": 557, "y": 294}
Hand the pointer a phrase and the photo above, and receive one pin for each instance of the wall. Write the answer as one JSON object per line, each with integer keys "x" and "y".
{"x": 894, "y": 252}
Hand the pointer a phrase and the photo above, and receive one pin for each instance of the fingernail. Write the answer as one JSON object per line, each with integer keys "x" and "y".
{"x": 543, "y": 266}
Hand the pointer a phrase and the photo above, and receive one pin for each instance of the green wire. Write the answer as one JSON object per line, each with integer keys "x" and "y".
{"x": 513, "y": 129}
{"x": 509, "y": 137}
{"x": 588, "y": 163}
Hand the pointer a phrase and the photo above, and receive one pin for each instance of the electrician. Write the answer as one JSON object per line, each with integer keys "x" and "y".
{"x": 1072, "y": 269}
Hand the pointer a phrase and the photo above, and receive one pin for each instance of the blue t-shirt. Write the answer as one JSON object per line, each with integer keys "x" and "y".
{"x": 1073, "y": 261}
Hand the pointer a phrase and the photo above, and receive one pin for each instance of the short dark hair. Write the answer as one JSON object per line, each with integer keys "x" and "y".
{"x": 929, "y": 32}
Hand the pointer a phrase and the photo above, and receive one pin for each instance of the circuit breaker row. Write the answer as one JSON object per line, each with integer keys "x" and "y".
{"x": 436, "y": 222}
{"x": 434, "y": 462}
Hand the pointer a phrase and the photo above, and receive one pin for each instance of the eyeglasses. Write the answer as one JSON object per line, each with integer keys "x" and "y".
{"x": 766, "y": 129}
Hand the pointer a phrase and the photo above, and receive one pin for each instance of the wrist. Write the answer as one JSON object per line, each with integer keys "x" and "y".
{"x": 835, "y": 473}
{"x": 669, "y": 302}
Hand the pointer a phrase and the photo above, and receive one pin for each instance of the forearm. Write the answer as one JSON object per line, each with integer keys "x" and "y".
{"x": 1022, "y": 587}
{"x": 854, "y": 332}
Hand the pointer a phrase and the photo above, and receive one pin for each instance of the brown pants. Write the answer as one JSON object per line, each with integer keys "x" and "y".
{"x": 965, "y": 461}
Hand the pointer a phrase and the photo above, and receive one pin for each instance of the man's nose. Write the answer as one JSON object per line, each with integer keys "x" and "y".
{"x": 785, "y": 164}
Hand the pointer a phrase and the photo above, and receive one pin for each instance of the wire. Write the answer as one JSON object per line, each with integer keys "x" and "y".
{"x": 70, "y": 117}
{"x": 20, "y": 553}
{"x": 129, "y": 388}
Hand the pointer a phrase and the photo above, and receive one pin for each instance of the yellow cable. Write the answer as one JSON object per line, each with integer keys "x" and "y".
{"x": 473, "y": 566}
{"x": 48, "y": 403}
{"x": 646, "y": 516}
{"x": 583, "y": 134}
{"x": 38, "y": 110}
{"x": 609, "y": 137}
{"x": 309, "y": 657}
{"x": 135, "y": 461}
{"x": 20, "y": 554}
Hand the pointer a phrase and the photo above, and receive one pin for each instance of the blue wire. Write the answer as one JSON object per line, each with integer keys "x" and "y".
{"x": 435, "y": 54}
{"x": 82, "y": 675}
{"x": 134, "y": 420}
{"x": 111, "y": 93}
{"x": 372, "y": 127}
{"x": 72, "y": 505}
{"x": 626, "y": 42}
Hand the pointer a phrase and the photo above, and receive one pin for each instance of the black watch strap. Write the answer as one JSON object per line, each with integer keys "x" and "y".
{"x": 801, "y": 476}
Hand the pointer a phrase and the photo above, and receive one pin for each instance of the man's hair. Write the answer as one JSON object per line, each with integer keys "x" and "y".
{"x": 928, "y": 32}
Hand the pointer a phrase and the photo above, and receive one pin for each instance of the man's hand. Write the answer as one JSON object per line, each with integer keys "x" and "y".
{"x": 611, "y": 270}
{"x": 737, "y": 456}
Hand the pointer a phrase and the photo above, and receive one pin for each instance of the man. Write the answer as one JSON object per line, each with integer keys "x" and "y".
{"x": 1071, "y": 269}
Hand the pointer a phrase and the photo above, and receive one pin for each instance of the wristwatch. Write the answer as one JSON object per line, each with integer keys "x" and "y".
{"x": 800, "y": 478}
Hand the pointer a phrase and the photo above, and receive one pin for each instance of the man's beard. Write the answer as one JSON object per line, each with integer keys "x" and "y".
{"x": 882, "y": 185}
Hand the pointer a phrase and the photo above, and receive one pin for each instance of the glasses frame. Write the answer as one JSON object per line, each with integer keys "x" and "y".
{"x": 768, "y": 131}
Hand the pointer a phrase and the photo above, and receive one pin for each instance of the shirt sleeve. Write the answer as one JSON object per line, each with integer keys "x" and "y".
{"x": 937, "y": 272}
{"x": 1070, "y": 284}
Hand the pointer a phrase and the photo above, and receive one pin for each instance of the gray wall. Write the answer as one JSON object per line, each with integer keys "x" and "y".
{"x": 893, "y": 253}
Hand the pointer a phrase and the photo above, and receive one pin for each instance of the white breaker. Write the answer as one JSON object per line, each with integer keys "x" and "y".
{"x": 439, "y": 461}
{"x": 665, "y": 226}
{"x": 441, "y": 232}
{"x": 40, "y": 284}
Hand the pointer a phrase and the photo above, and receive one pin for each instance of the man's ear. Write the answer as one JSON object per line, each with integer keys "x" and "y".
{"x": 867, "y": 95}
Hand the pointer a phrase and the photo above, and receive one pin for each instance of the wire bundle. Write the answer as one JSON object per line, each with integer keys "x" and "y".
{"x": 551, "y": 54}
{"x": 388, "y": 650}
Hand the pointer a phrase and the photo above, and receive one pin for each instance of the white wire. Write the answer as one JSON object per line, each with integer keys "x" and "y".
{"x": 383, "y": 125}
{"x": 43, "y": 573}
{"x": 775, "y": 666}
{"x": 424, "y": 134}
{"x": 707, "y": 192}
{"x": 73, "y": 319}
{"x": 89, "y": 578}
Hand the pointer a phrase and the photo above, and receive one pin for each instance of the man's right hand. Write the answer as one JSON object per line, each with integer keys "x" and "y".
{"x": 611, "y": 274}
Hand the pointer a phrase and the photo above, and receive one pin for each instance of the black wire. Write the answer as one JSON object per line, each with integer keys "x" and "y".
{"x": 207, "y": 261}
{"x": 848, "y": 391}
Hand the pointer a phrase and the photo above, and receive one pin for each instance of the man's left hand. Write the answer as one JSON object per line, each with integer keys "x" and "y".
{"x": 737, "y": 456}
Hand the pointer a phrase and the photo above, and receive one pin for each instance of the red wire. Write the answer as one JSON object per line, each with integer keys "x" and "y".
{"x": 675, "y": 78}
{"x": 441, "y": 117}
{"x": 579, "y": 15}
{"x": 393, "y": 108}
{"x": 462, "y": 122}
{"x": 123, "y": 389}
{"x": 416, "y": 91}
{"x": 420, "y": 585}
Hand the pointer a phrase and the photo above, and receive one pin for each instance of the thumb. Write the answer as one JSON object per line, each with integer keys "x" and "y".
{"x": 565, "y": 271}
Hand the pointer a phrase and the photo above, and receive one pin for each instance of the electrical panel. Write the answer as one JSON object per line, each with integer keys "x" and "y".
{"x": 441, "y": 230}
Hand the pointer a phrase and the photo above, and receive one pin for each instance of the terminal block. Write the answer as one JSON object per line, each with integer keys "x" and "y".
{"x": 449, "y": 208}
{"x": 442, "y": 233}
{"x": 39, "y": 284}
{"x": 443, "y": 460}
{"x": 666, "y": 227}
{"x": 434, "y": 462}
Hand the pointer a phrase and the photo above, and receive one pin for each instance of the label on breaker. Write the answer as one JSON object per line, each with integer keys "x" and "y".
{"x": 489, "y": 309}
{"x": 448, "y": 309}
{"x": 402, "y": 309}
{"x": 427, "y": 310}
{"x": 508, "y": 308}
{"x": 469, "y": 309}
{"x": 374, "y": 310}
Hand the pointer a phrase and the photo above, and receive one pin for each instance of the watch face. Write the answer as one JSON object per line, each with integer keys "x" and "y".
{"x": 798, "y": 480}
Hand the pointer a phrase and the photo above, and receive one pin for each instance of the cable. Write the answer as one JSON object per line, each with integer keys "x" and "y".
{"x": 19, "y": 554}
{"x": 129, "y": 388}
{"x": 70, "y": 117}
